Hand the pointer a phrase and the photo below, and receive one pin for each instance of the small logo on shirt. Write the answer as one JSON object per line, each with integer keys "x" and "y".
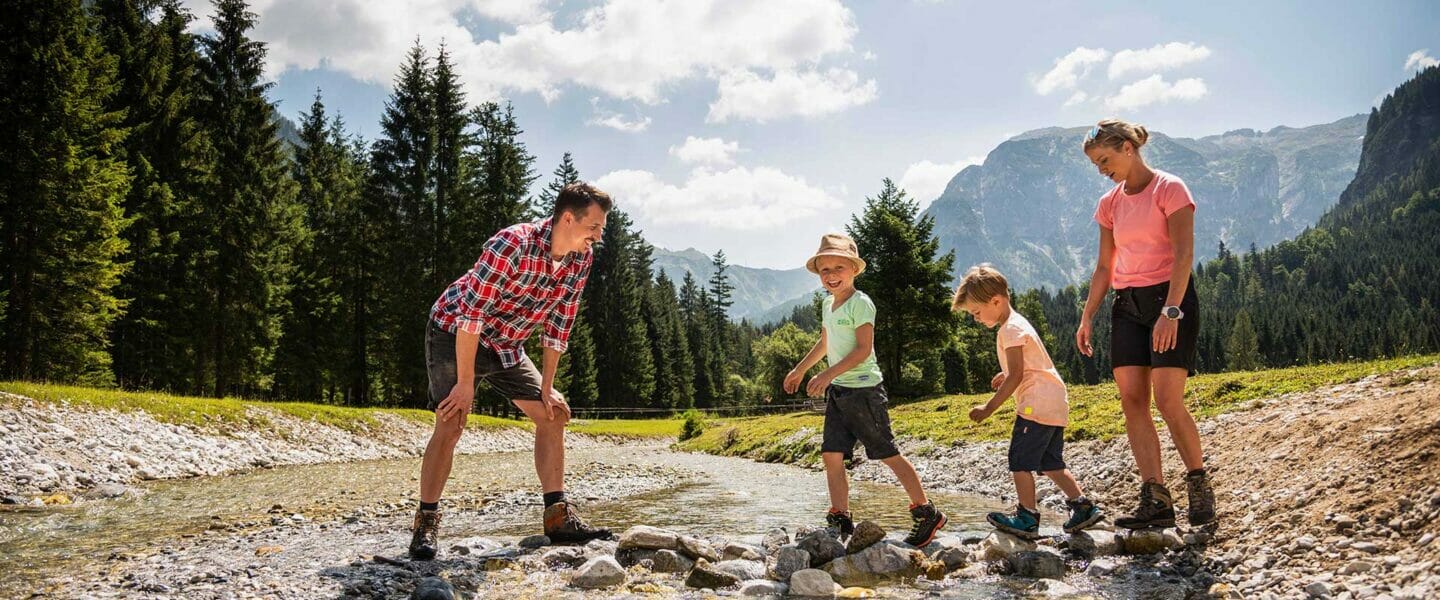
{"x": 843, "y": 321}
{"x": 864, "y": 378}
{"x": 1029, "y": 410}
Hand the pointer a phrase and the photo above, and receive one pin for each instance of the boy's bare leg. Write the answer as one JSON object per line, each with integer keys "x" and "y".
{"x": 439, "y": 457}
{"x": 905, "y": 472}
{"x": 1066, "y": 481}
{"x": 835, "y": 480}
{"x": 1025, "y": 489}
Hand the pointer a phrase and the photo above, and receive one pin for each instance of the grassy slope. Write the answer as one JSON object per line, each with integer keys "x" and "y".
{"x": 232, "y": 414}
{"x": 1094, "y": 411}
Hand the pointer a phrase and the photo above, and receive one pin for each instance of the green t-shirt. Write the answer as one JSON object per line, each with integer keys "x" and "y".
{"x": 840, "y": 325}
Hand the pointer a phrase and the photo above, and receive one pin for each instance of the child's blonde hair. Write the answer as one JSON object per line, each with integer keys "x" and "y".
{"x": 1113, "y": 133}
{"x": 981, "y": 283}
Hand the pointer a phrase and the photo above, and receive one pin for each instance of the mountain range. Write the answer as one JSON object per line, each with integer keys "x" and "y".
{"x": 760, "y": 295}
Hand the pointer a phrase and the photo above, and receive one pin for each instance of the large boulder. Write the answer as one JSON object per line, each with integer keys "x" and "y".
{"x": 742, "y": 569}
{"x": 1039, "y": 564}
{"x": 704, "y": 576}
{"x": 822, "y": 546}
{"x": 1094, "y": 543}
{"x": 599, "y": 572}
{"x": 1000, "y": 546}
{"x": 670, "y": 561}
{"x": 867, "y": 534}
{"x": 885, "y": 561}
{"x": 813, "y": 582}
{"x": 790, "y": 559}
{"x": 649, "y": 538}
{"x": 1150, "y": 541}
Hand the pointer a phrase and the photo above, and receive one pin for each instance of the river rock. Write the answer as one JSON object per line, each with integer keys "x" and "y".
{"x": 1101, "y": 567}
{"x": 599, "y": 572}
{"x": 568, "y": 556}
{"x": 703, "y": 576}
{"x": 867, "y": 533}
{"x": 1039, "y": 564}
{"x": 647, "y": 537}
{"x": 1150, "y": 541}
{"x": 107, "y": 490}
{"x": 822, "y": 546}
{"x": 534, "y": 541}
{"x": 941, "y": 543}
{"x": 953, "y": 558}
{"x": 1000, "y": 545}
{"x": 790, "y": 559}
{"x": 774, "y": 539}
{"x": 742, "y": 569}
{"x": 880, "y": 562}
{"x": 1356, "y": 566}
{"x": 434, "y": 588}
{"x": 763, "y": 587}
{"x": 813, "y": 582}
{"x": 14, "y": 500}
{"x": 1091, "y": 544}
{"x": 1318, "y": 589}
{"x": 696, "y": 548}
{"x": 629, "y": 557}
{"x": 670, "y": 561}
{"x": 736, "y": 550}
{"x": 1055, "y": 588}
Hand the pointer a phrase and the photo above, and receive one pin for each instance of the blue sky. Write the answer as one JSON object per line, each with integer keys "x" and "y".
{"x": 798, "y": 109}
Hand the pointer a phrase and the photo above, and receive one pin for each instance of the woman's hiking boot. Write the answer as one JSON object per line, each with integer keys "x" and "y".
{"x": 1083, "y": 515}
{"x": 1201, "y": 506}
{"x": 564, "y": 526}
{"x": 425, "y": 534}
{"x": 840, "y": 524}
{"x": 928, "y": 521}
{"x": 1025, "y": 523}
{"x": 1156, "y": 509}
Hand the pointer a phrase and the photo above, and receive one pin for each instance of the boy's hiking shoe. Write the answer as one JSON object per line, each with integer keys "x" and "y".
{"x": 1201, "y": 507}
{"x": 425, "y": 535}
{"x": 1025, "y": 524}
{"x": 1156, "y": 509}
{"x": 928, "y": 521}
{"x": 840, "y": 524}
{"x": 1083, "y": 514}
{"x": 564, "y": 526}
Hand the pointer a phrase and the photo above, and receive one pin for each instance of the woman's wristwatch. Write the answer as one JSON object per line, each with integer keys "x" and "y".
{"x": 1172, "y": 312}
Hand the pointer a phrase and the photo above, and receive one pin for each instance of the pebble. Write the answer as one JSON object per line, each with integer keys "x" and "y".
{"x": 599, "y": 572}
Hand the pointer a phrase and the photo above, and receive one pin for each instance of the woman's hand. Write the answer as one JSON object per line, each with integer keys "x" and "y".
{"x": 1082, "y": 338}
{"x": 1163, "y": 338}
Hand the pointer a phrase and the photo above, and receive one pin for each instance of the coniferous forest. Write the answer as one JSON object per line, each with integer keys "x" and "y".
{"x": 159, "y": 233}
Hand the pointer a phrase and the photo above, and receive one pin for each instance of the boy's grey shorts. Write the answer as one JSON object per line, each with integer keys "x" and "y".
{"x": 520, "y": 382}
{"x": 858, "y": 414}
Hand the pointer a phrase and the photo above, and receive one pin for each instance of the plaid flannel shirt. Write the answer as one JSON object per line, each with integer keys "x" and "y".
{"x": 512, "y": 288}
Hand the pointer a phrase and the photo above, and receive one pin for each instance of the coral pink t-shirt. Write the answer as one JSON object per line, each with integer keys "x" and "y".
{"x": 1041, "y": 396}
{"x": 1143, "y": 255}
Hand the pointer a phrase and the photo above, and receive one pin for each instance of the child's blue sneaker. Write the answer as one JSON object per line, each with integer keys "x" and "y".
{"x": 1025, "y": 523}
{"x": 1083, "y": 515}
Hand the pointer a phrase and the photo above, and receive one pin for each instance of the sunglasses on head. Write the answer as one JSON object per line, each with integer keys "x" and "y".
{"x": 1094, "y": 133}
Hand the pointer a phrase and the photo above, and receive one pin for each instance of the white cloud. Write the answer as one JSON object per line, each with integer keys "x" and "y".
{"x": 625, "y": 49}
{"x": 706, "y": 151}
{"x": 926, "y": 180}
{"x": 1069, "y": 69}
{"x": 1160, "y": 57}
{"x": 812, "y": 93}
{"x": 1154, "y": 89}
{"x": 1420, "y": 59}
{"x": 738, "y": 199}
{"x": 617, "y": 121}
{"x": 1076, "y": 98}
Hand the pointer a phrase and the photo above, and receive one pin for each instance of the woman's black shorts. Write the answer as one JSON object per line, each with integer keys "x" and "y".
{"x": 1132, "y": 321}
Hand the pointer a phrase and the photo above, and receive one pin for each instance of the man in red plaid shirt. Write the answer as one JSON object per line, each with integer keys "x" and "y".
{"x": 529, "y": 275}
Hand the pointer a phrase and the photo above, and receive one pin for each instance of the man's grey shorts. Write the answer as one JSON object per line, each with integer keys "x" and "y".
{"x": 861, "y": 414}
{"x": 520, "y": 382}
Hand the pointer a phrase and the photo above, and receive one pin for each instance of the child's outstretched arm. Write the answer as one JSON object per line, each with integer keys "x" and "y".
{"x": 1015, "y": 366}
{"x": 792, "y": 379}
{"x": 864, "y": 347}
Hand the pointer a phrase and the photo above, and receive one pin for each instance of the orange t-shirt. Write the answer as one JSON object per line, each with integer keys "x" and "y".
{"x": 1041, "y": 396}
{"x": 1143, "y": 255}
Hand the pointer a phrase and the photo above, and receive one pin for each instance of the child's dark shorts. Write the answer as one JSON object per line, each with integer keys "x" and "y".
{"x": 1036, "y": 447}
{"x": 858, "y": 414}
{"x": 520, "y": 382}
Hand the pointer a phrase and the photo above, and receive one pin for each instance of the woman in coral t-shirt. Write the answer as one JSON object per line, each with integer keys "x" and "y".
{"x": 1147, "y": 244}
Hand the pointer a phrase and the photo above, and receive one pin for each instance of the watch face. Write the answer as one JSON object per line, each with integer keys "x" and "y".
{"x": 1172, "y": 312}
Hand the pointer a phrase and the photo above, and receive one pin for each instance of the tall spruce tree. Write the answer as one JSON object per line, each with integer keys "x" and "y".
{"x": 502, "y": 171}
{"x": 451, "y": 247}
{"x": 61, "y": 197}
{"x": 615, "y": 297}
{"x": 565, "y": 174}
{"x": 169, "y": 157}
{"x": 674, "y": 370}
{"x": 699, "y": 331}
{"x": 906, "y": 279}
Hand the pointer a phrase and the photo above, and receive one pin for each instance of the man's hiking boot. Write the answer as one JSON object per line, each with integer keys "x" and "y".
{"x": 1025, "y": 523}
{"x": 425, "y": 535}
{"x": 1156, "y": 509}
{"x": 1083, "y": 514}
{"x": 928, "y": 521}
{"x": 564, "y": 526}
{"x": 1201, "y": 506}
{"x": 840, "y": 524}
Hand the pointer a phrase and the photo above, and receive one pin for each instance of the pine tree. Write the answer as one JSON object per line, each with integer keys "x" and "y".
{"x": 61, "y": 197}
{"x": 565, "y": 174}
{"x": 169, "y": 157}
{"x": 580, "y": 386}
{"x": 451, "y": 248}
{"x": 695, "y": 309}
{"x": 1242, "y": 349}
{"x": 502, "y": 171}
{"x": 615, "y": 296}
{"x": 675, "y": 372}
{"x": 907, "y": 281}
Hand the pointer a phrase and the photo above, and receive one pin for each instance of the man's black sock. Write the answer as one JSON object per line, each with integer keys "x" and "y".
{"x": 554, "y": 498}
{"x": 1200, "y": 472}
{"x": 430, "y": 505}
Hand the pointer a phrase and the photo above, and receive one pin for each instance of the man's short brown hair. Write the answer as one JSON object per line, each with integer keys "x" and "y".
{"x": 577, "y": 197}
{"x": 981, "y": 283}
